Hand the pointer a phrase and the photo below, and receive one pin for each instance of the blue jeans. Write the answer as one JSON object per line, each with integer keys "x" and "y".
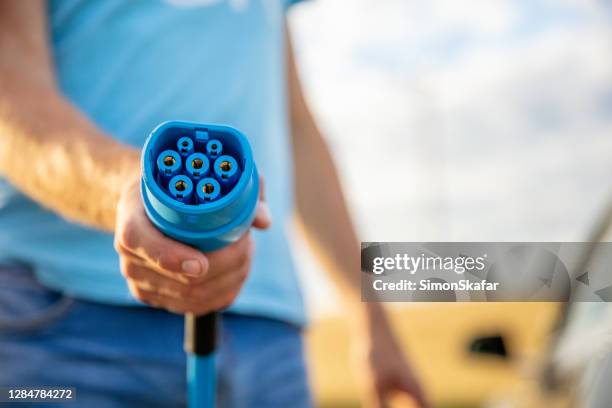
{"x": 118, "y": 356}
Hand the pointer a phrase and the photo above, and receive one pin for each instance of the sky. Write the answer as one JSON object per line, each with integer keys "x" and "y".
{"x": 473, "y": 120}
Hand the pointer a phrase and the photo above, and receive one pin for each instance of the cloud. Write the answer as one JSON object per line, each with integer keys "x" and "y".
{"x": 482, "y": 122}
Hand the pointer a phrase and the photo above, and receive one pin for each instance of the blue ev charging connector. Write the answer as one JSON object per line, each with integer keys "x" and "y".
{"x": 217, "y": 219}
{"x": 199, "y": 186}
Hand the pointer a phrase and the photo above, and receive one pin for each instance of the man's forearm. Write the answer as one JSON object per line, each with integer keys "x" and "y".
{"x": 52, "y": 153}
{"x": 48, "y": 149}
{"x": 322, "y": 211}
{"x": 321, "y": 207}
{"x": 323, "y": 214}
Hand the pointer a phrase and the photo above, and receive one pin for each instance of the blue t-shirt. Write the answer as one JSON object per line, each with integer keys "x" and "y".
{"x": 129, "y": 65}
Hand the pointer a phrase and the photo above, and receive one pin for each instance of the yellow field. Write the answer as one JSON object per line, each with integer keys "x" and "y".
{"x": 436, "y": 336}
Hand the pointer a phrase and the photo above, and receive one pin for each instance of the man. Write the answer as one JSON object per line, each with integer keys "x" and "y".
{"x": 81, "y": 85}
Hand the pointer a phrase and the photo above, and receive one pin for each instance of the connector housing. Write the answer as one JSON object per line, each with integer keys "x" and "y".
{"x": 206, "y": 225}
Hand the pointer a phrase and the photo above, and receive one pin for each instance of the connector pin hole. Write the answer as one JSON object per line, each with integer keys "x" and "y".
{"x": 209, "y": 188}
{"x": 225, "y": 166}
{"x": 214, "y": 146}
{"x": 197, "y": 163}
{"x": 180, "y": 186}
{"x": 169, "y": 161}
{"x": 185, "y": 143}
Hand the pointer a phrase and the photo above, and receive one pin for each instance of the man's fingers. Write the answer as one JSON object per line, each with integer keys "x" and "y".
{"x": 150, "y": 280}
{"x": 388, "y": 387}
{"x": 140, "y": 237}
{"x": 230, "y": 257}
{"x": 157, "y": 300}
{"x": 263, "y": 217}
{"x": 136, "y": 259}
{"x": 380, "y": 400}
{"x": 416, "y": 392}
{"x": 406, "y": 385}
{"x": 262, "y": 189}
{"x": 215, "y": 295}
{"x": 225, "y": 285}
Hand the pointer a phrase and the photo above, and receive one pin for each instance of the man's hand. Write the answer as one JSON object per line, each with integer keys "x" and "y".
{"x": 167, "y": 274}
{"x": 388, "y": 371}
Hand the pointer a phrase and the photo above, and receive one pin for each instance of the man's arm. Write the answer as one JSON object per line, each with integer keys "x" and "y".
{"x": 324, "y": 218}
{"x": 48, "y": 149}
{"x": 54, "y": 154}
